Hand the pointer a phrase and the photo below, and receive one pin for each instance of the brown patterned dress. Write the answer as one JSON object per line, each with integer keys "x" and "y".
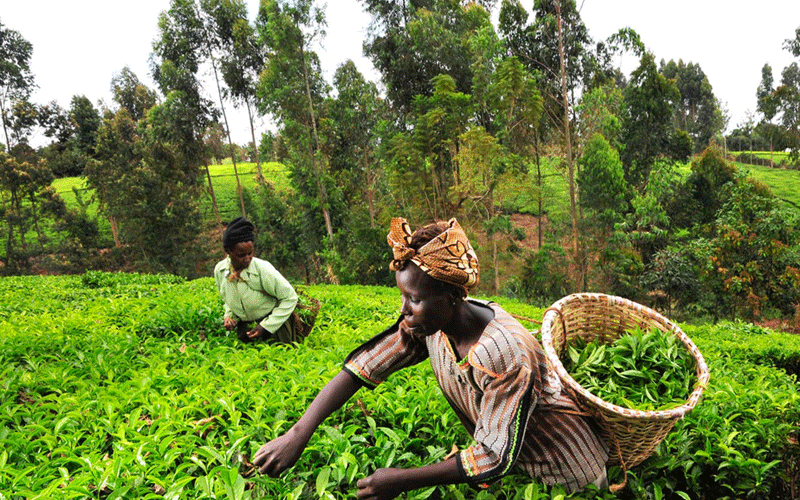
{"x": 506, "y": 395}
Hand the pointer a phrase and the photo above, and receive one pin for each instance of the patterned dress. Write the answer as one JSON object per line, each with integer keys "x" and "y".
{"x": 506, "y": 395}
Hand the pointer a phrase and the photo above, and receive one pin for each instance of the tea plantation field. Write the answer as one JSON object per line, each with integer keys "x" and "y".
{"x": 127, "y": 386}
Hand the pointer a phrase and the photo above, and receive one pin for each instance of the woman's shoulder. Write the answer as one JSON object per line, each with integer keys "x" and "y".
{"x": 222, "y": 266}
{"x": 260, "y": 266}
{"x": 503, "y": 346}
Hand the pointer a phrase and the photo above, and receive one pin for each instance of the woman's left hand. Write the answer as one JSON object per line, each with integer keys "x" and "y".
{"x": 383, "y": 484}
{"x": 257, "y": 333}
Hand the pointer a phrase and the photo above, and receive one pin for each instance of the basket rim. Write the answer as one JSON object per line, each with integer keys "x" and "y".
{"x": 703, "y": 375}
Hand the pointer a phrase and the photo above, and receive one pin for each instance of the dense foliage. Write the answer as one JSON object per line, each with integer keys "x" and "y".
{"x": 641, "y": 370}
{"x": 127, "y": 386}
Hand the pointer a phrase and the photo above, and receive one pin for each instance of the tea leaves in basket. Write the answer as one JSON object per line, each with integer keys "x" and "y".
{"x": 643, "y": 370}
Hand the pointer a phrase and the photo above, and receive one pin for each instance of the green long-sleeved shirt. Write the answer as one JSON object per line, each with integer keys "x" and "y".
{"x": 261, "y": 292}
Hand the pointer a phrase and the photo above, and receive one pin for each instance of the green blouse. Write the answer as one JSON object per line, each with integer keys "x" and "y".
{"x": 259, "y": 292}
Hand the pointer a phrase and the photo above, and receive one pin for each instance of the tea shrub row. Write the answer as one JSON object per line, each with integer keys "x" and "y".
{"x": 126, "y": 386}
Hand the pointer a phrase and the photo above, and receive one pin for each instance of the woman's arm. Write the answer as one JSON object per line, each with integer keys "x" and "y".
{"x": 283, "y": 452}
{"x": 385, "y": 484}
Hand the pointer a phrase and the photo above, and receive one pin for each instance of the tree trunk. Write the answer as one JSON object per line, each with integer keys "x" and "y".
{"x": 35, "y": 215}
{"x": 230, "y": 141}
{"x": 370, "y": 192}
{"x": 314, "y": 161}
{"x": 540, "y": 197}
{"x": 568, "y": 147}
{"x": 114, "y": 230}
{"x": 5, "y": 127}
{"x": 496, "y": 286}
{"x": 11, "y": 266}
{"x": 211, "y": 192}
{"x": 255, "y": 144}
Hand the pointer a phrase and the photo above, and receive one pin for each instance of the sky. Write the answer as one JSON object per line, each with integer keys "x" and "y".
{"x": 78, "y": 45}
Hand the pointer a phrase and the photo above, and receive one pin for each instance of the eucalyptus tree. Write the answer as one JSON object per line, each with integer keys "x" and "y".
{"x": 87, "y": 120}
{"x": 767, "y": 103}
{"x": 647, "y": 124}
{"x": 422, "y": 166}
{"x": 113, "y": 174}
{"x": 697, "y": 111}
{"x": 793, "y": 44}
{"x": 518, "y": 112}
{"x": 554, "y": 45}
{"x": 556, "y": 41}
{"x": 413, "y": 41}
{"x": 239, "y": 55}
{"x": 788, "y": 96}
{"x": 169, "y": 187}
{"x": 216, "y": 19}
{"x": 355, "y": 121}
{"x": 179, "y": 50}
{"x": 291, "y": 89}
{"x": 16, "y": 79}
{"x": 128, "y": 92}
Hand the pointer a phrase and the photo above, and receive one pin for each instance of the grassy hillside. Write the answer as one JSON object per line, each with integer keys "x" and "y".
{"x": 783, "y": 182}
{"x": 223, "y": 179}
{"x": 126, "y": 386}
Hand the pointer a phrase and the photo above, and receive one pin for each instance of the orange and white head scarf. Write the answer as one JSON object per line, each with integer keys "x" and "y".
{"x": 448, "y": 257}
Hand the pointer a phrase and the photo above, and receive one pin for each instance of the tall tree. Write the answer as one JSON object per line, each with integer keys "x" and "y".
{"x": 413, "y": 41}
{"x": 355, "y": 119}
{"x": 113, "y": 174}
{"x": 22, "y": 186}
{"x": 788, "y": 96}
{"x": 793, "y": 44}
{"x": 179, "y": 49}
{"x": 647, "y": 125}
{"x": 555, "y": 46}
{"x": 766, "y": 102}
{"x": 697, "y": 110}
{"x": 518, "y": 110}
{"x": 16, "y": 79}
{"x": 422, "y": 167}
{"x": 557, "y": 36}
{"x": 238, "y": 53}
{"x": 130, "y": 93}
{"x": 87, "y": 120}
{"x": 291, "y": 87}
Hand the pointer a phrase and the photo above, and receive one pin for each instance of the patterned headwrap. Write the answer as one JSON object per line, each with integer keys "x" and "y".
{"x": 448, "y": 257}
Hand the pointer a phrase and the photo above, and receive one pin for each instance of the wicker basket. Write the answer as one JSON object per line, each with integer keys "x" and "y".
{"x": 632, "y": 435}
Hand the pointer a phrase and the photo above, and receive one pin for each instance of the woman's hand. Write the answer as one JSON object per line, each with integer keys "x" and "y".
{"x": 279, "y": 454}
{"x": 383, "y": 484}
{"x": 258, "y": 332}
{"x": 230, "y": 323}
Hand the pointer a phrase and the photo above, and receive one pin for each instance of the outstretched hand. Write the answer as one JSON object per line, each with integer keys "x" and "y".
{"x": 383, "y": 484}
{"x": 279, "y": 454}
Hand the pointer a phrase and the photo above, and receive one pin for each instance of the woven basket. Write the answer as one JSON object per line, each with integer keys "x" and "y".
{"x": 632, "y": 435}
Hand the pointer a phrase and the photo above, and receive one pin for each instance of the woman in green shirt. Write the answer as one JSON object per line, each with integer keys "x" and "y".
{"x": 259, "y": 301}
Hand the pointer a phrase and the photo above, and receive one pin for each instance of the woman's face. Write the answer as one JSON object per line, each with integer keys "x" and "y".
{"x": 241, "y": 255}
{"x": 425, "y": 307}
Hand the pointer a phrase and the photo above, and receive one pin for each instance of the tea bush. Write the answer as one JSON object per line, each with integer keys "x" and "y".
{"x": 127, "y": 386}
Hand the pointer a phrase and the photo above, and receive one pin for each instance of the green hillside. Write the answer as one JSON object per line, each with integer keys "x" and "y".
{"x": 784, "y": 183}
